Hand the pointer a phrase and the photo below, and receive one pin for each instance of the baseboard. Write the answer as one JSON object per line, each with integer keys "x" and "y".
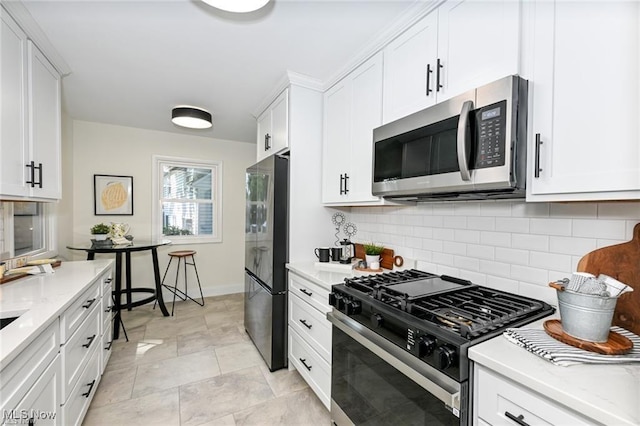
{"x": 219, "y": 290}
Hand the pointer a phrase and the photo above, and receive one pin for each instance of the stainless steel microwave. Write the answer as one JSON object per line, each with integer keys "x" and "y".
{"x": 472, "y": 146}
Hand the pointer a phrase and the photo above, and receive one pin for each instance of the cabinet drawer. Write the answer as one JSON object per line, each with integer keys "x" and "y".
{"x": 78, "y": 311}
{"x": 23, "y": 371}
{"x": 77, "y": 350}
{"x": 106, "y": 281}
{"x": 498, "y": 399}
{"x": 312, "y": 325}
{"x": 76, "y": 405}
{"x": 107, "y": 343}
{"x": 310, "y": 292}
{"x": 311, "y": 367}
{"x": 106, "y": 307}
{"x": 41, "y": 405}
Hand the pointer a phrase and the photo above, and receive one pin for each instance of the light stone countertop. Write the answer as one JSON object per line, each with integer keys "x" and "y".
{"x": 39, "y": 300}
{"x": 326, "y": 275}
{"x": 607, "y": 394}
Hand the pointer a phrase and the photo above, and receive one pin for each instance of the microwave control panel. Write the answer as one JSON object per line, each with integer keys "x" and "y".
{"x": 491, "y": 123}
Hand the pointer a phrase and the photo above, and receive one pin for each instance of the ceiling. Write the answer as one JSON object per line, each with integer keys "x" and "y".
{"x": 132, "y": 61}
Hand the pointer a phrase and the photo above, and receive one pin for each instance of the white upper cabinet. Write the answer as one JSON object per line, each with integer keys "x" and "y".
{"x": 352, "y": 109}
{"x": 30, "y": 120}
{"x": 585, "y": 86}
{"x": 273, "y": 127}
{"x": 461, "y": 45}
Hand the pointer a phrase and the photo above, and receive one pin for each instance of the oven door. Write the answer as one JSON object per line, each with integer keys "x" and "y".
{"x": 373, "y": 381}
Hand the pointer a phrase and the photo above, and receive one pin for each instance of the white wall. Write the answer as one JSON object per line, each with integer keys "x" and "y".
{"x": 514, "y": 246}
{"x": 116, "y": 150}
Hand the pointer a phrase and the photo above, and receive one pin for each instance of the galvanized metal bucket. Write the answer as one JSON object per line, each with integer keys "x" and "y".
{"x": 585, "y": 316}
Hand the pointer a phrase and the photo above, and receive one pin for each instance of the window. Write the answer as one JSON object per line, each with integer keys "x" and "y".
{"x": 189, "y": 200}
{"x": 28, "y": 229}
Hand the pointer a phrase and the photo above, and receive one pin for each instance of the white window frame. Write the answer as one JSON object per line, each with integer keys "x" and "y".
{"x": 216, "y": 172}
{"x": 50, "y": 239}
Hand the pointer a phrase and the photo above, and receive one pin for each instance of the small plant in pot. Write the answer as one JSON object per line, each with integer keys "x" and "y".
{"x": 372, "y": 253}
{"x": 100, "y": 231}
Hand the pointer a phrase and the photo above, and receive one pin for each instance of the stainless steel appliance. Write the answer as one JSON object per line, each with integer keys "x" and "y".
{"x": 400, "y": 342}
{"x": 266, "y": 253}
{"x": 472, "y": 146}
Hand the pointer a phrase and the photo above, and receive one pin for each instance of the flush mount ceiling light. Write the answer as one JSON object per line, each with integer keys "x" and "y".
{"x": 191, "y": 117}
{"x": 237, "y": 6}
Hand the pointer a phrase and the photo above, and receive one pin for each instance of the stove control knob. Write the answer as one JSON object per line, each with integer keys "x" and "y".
{"x": 376, "y": 320}
{"x": 332, "y": 299}
{"x": 353, "y": 307}
{"x": 426, "y": 345}
{"x": 446, "y": 357}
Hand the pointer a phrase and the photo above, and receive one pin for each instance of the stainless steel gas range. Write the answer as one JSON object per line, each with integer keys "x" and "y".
{"x": 400, "y": 342}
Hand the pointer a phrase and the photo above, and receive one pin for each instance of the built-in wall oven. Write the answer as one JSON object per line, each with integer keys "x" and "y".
{"x": 400, "y": 342}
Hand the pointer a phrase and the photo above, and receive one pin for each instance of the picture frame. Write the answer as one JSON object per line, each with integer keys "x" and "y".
{"x": 112, "y": 195}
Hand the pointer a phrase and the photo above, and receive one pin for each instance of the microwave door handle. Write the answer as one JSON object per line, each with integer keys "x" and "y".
{"x": 463, "y": 124}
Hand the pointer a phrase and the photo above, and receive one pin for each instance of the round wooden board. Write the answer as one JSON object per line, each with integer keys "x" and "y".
{"x": 357, "y": 268}
{"x": 616, "y": 345}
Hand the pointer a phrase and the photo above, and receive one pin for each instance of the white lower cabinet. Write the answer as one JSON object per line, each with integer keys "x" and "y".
{"x": 500, "y": 401}
{"x": 52, "y": 381}
{"x": 310, "y": 335}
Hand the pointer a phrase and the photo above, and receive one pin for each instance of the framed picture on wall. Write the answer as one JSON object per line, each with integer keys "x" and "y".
{"x": 112, "y": 195}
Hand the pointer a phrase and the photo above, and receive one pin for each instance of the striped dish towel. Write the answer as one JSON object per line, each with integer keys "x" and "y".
{"x": 540, "y": 343}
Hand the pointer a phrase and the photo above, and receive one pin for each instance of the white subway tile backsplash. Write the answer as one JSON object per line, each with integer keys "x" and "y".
{"x": 555, "y": 261}
{"x": 530, "y": 242}
{"x": 510, "y": 245}
{"x": 619, "y": 210}
{"x": 513, "y": 224}
{"x": 502, "y": 239}
{"x": 523, "y": 209}
{"x": 495, "y": 268}
{"x": 445, "y": 234}
{"x": 514, "y": 256}
{"x": 571, "y": 245}
{"x": 548, "y": 226}
{"x": 454, "y": 248}
{"x": 481, "y": 223}
{"x": 481, "y": 251}
{"x": 468, "y": 263}
{"x": 458, "y": 222}
{"x": 573, "y": 210}
{"x": 467, "y": 236}
{"x": 592, "y": 228}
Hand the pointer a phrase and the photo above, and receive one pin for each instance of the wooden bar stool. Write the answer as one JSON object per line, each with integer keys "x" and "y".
{"x": 182, "y": 255}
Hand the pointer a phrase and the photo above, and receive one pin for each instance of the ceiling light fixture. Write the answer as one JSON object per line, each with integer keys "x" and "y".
{"x": 191, "y": 117}
{"x": 237, "y": 6}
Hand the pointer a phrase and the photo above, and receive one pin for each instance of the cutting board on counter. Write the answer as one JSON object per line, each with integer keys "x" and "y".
{"x": 386, "y": 257}
{"x": 622, "y": 262}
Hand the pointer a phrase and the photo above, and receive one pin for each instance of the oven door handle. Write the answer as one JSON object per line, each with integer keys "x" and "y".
{"x": 400, "y": 359}
{"x": 461, "y": 140}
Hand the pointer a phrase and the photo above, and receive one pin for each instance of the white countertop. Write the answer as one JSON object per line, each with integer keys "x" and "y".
{"x": 40, "y": 299}
{"x": 333, "y": 273}
{"x": 608, "y": 394}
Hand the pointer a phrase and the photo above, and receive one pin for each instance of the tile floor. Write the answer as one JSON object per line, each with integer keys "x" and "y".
{"x": 198, "y": 367}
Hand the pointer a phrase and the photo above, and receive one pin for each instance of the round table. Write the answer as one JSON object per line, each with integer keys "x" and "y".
{"x": 156, "y": 293}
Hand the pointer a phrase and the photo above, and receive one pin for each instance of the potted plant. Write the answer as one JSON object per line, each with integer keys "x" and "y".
{"x": 372, "y": 252}
{"x": 100, "y": 231}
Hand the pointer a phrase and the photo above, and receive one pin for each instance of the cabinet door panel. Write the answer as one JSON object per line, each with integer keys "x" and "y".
{"x": 280, "y": 123}
{"x": 366, "y": 115}
{"x": 586, "y": 92}
{"x": 336, "y": 151}
{"x": 405, "y": 69}
{"x": 44, "y": 85}
{"x": 41, "y": 404}
{"x": 264, "y": 129}
{"x": 477, "y": 43}
{"x": 13, "y": 85}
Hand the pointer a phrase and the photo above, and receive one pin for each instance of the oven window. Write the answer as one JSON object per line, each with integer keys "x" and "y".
{"x": 371, "y": 392}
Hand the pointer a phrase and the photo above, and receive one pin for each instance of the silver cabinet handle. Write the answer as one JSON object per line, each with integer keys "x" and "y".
{"x": 461, "y": 141}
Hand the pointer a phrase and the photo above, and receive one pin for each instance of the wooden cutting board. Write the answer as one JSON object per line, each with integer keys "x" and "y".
{"x": 622, "y": 262}
{"x": 386, "y": 257}
{"x": 616, "y": 344}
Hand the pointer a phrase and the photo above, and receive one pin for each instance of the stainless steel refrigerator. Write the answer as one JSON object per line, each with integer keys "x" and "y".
{"x": 266, "y": 253}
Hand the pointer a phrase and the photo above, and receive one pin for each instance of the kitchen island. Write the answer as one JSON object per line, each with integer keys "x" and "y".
{"x": 579, "y": 394}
